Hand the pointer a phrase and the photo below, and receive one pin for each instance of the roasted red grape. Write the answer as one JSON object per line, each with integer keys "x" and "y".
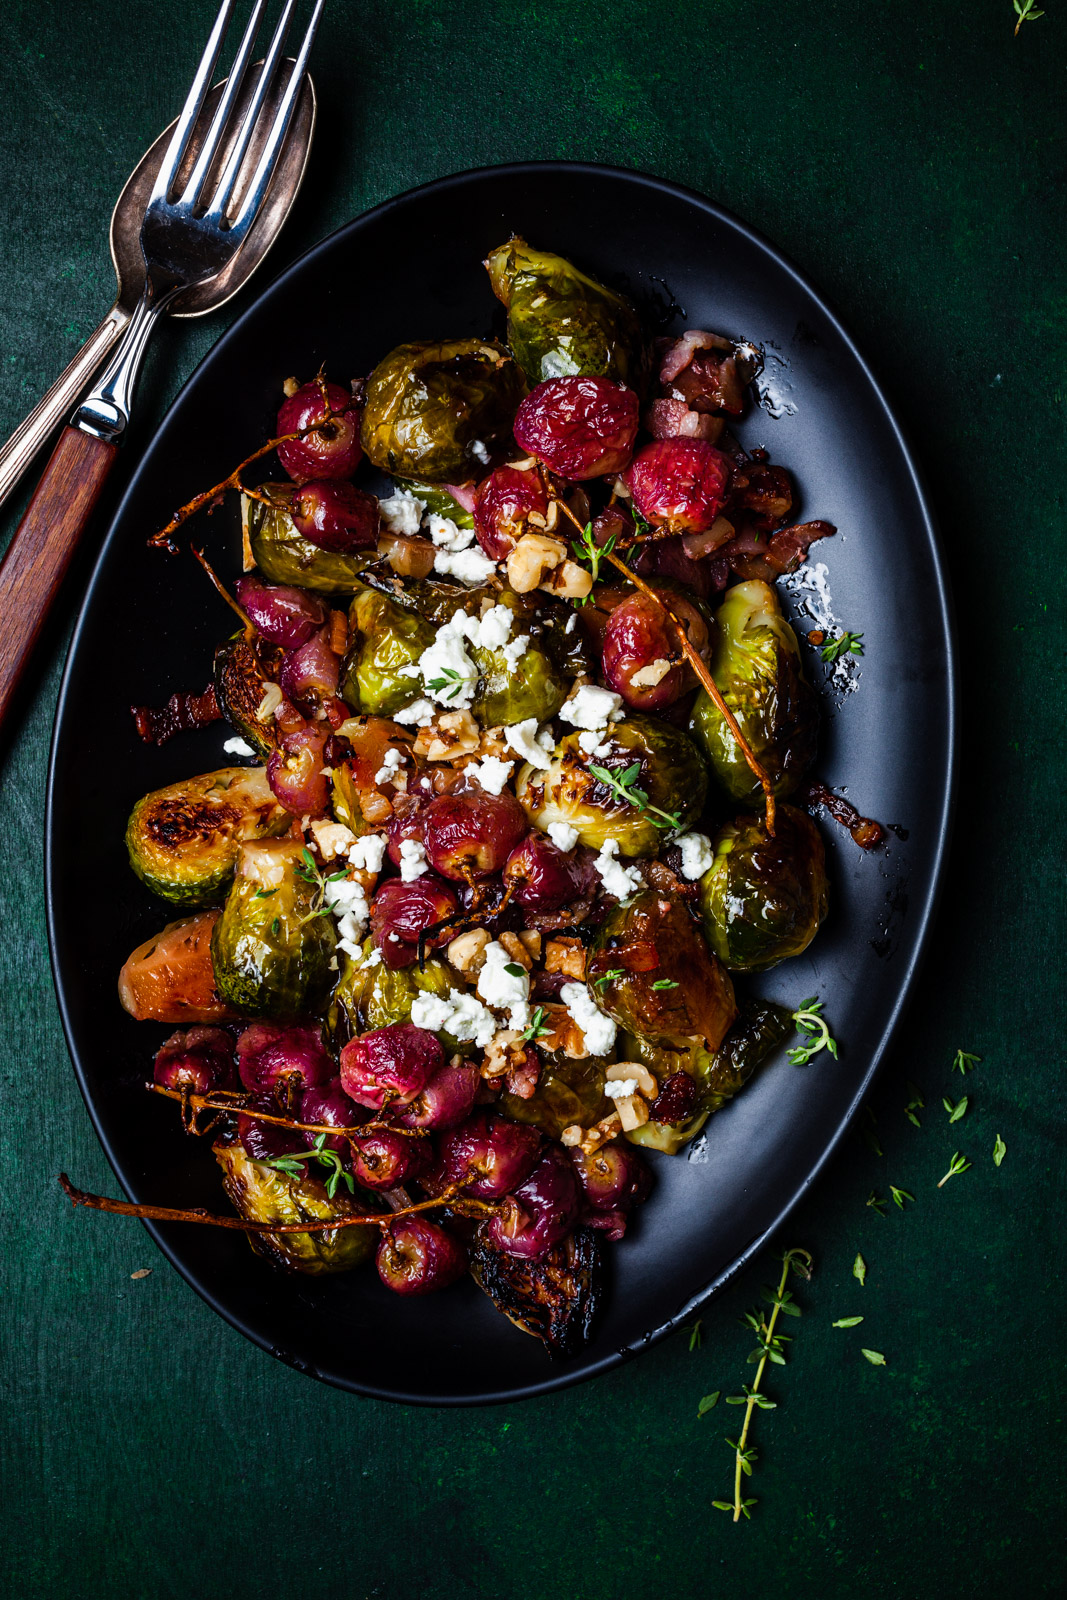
{"x": 334, "y": 451}
{"x": 489, "y": 1155}
{"x": 544, "y": 877}
{"x": 502, "y": 506}
{"x": 446, "y": 1099}
{"x": 613, "y": 1178}
{"x": 581, "y": 427}
{"x": 417, "y": 1256}
{"x": 327, "y": 1103}
{"x": 266, "y": 1141}
{"x": 310, "y": 675}
{"x": 334, "y": 515}
{"x": 282, "y": 615}
{"x": 383, "y": 1158}
{"x": 541, "y": 1211}
{"x": 401, "y": 911}
{"x": 471, "y": 835}
{"x": 680, "y": 484}
{"x": 295, "y": 772}
{"x": 196, "y": 1060}
{"x": 390, "y": 1066}
{"x": 283, "y": 1058}
{"x": 642, "y": 658}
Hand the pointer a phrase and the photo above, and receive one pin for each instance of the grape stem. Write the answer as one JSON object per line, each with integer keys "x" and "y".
{"x": 702, "y": 670}
{"x": 249, "y": 626}
{"x": 231, "y": 1101}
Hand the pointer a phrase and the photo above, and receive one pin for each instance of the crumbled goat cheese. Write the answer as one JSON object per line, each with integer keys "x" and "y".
{"x": 620, "y": 1088}
{"x": 502, "y": 989}
{"x": 392, "y": 761}
{"x": 590, "y": 744}
{"x": 332, "y": 838}
{"x": 648, "y": 677}
{"x": 446, "y": 535}
{"x": 368, "y": 852}
{"x": 420, "y": 713}
{"x": 373, "y": 959}
{"x": 480, "y": 452}
{"x": 448, "y": 673}
{"x": 469, "y": 566}
{"x": 572, "y": 622}
{"x": 492, "y": 631}
{"x": 598, "y": 1030}
{"x": 412, "y": 860}
{"x": 514, "y": 651}
{"x": 563, "y": 836}
{"x": 534, "y": 747}
{"x": 491, "y": 773}
{"x": 461, "y": 1015}
{"x": 238, "y": 747}
{"x": 593, "y": 708}
{"x": 349, "y": 905}
{"x": 617, "y": 880}
{"x": 402, "y": 512}
{"x": 697, "y": 854}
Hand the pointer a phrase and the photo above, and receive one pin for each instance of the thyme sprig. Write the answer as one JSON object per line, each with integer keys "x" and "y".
{"x": 769, "y": 1348}
{"x": 586, "y": 548}
{"x": 845, "y": 644}
{"x": 308, "y": 869}
{"x": 810, "y": 1020}
{"x": 536, "y": 1028}
{"x": 293, "y": 1165}
{"x": 955, "y": 1112}
{"x": 956, "y": 1165}
{"x": 450, "y": 683}
{"x": 1024, "y": 12}
{"x": 964, "y": 1061}
{"x": 625, "y": 787}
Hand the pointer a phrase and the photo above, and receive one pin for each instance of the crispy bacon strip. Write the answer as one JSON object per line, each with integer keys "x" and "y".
{"x": 156, "y": 725}
{"x": 865, "y": 830}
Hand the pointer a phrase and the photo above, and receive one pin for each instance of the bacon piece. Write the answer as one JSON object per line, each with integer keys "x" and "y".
{"x": 865, "y": 830}
{"x": 523, "y": 1074}
{"x": 182, "y": 711}
{"x": 753, "y": 555}
{"x": 672, "y": 419}
{"x": 680, "y": 352}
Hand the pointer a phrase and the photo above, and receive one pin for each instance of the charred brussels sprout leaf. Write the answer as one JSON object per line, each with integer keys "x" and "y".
{"x": 670, "y": 782}
{"x": 553, "y": 1298}
{"x": 373, "y": 996}
{"x": 241, "y": 679}
{"x": 759, "y": 1027}
{"x": 651, "y": 938}
{"x": 763, "y": 899}
{"x": 285, "y": 556}
{"x": 431, "y": 411}
{"x": 272, "y": 945}
{"x": 388, "y": 639}
{"x": 567, "y": 1092}
{"x": 183, "y": 840}
{"x": 560, "y": 322}
{"x": 756, "y": 664}
{"x": 262, "y": 1194}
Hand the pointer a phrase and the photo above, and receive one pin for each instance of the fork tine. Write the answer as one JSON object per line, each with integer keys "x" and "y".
{"x": 276, "y": 138}
{"x": 193, "y": 102}
{"x": 220, "y": 200}
{"x": 225, "y": 106}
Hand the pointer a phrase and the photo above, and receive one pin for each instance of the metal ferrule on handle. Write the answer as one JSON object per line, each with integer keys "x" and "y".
{"x": 105, "y": 411}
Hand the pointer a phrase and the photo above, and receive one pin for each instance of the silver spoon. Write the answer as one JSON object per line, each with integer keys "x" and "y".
{"x": 125, "y": 239}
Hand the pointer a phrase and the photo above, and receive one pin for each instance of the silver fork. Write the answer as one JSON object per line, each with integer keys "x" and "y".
{"x": 197, "y": 218}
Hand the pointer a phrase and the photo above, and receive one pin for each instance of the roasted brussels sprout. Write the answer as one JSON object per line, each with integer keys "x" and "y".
{"x": 183, "y": 840}
{"x": 508, "y": 692}
{"x": 263, "y": 1194}
{"x": 554, "y": 1298}
{"x": 670, "y": 783}
{"x": 763, "y": 899}
{"x": 568, "y": 1092}
{"x": 560, "y": 322}
{"x": 387, "y": 638}
{"x": 436, "y": 498}
{"x": 284, "y": 556}
{"x": 433, "y": 411}
{"x": 756, "y": 664}
{"x": 270, "y": 950}
{"x": 372, "y": 995}
{"x": 241, "y": 679}
{"x": 652, "y": 972}
{"x": 760, "y": 1026}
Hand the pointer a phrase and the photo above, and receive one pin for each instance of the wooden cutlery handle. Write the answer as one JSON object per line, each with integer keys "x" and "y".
{"x": 44, "y": 542}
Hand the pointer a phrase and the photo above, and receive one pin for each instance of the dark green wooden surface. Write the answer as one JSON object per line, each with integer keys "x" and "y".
{"x": 912, "y": 160}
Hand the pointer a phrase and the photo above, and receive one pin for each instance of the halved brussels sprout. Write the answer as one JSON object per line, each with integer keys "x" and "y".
{"x": 756, "y": 665}
{"x": 271, "y": 950}
{"x": 561, "y": 322}
{"x": 763, "y": 899}
{"x": 432, "y": 411}
{"x": 508, "y": 692}
{"x": 438, "y": 500}
{"x": 655, "y": 761}
{"x": 568, "y": 1092}
{"x": 388, "y": 639}
{"x": 285, "y": 556}
{"x": 183, "y": 840}
{"x": 760, "y": 1026}
{"x": 262, "y": 1194}
{"x": 241, "y": 680}
{"x": 355, "y": 797}
{"x": 373, "y": 996}
{"x": 650, "y": 970}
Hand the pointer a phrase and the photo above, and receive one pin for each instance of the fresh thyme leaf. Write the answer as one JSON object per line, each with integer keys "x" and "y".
{"x": 955, "y": 1112}
{"x": 875, "y": 1357}
{"x": 706, "y": 1404}
{"x": 845, "y": 644}
{"x": 275, "y": 927}
{"x": 695, "y": 1336}
{"x": 956, "y": 1165}
{"x": 1000, "y": 1150}
{"x": 624, "y": 787}
{"x": 264, "y": 894}
{"x": 723, "y": 1505}
{"x": 876, "y": 1204}
{"x": 665, "y": 983}
{"x": 586, "y": 548}
{"x": 859, "y": 1270}
{"x": 964, "y": 1061}
{"x": 536, "y": 1028}
{"x": 611, "y": 976}
{"x": 847, "y": 1322}
{"x": 809, "y": 1020}
{"x": 899, "y": 1196}
{"x": 914, "y": 1104}
{"x": 1024, "y": 11}
{"x": 867, "y": 1126}
{"x": 514, "y": 970}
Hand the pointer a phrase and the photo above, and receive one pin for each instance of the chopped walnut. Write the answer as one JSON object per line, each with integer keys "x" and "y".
{"x": 606, "y": 1129}
{"x": 498, "y": 1052}
{"x": 572, "y": 1136}
{"x": 633, "y": 1112}
{"x": 569, "y": 580}
{"x": 648, "y": 677}
{"x": 531, "y": 559}
{"x": 516, "y": 949}
{"x": 566, "y": 954}
{"x": 563, "y": 1033}
{"x": 532, "y": 940}
{"x": 289, "y": 387}
{"x": 467, "y": 951}
{"x": 338, "y": 640}
{"x": 620, "y": 1071}
{"x": 333, "y": 838}
{"x": 454, "y": 733}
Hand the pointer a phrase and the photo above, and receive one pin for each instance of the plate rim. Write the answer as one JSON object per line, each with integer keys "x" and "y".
{"x": 557, "y": 1378}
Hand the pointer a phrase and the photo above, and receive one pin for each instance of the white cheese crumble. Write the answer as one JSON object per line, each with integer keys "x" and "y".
{"x": 598, "y": 1030}
{"x": 492, "y": 631}
{"x": 563, "y": 836}
{"x": 349, "y": 905}
{"x": 593, "y": 708}
{"x": 449, "y": 675}
{"x": 514, "y": 651}
{"x": 469, "y": 566}
{"x": 697, "y": 854}
{"x": 620, "y": 1088}
{"x": 392, "y": 761}
{"x": 238, "y": 747}
{"x": 534, "y": 747}
{"x": 402, "y": 512}
{"x": 446, "y": 534}
{"x": 480, "y": 452}
{"x": 412, "y": 860}
{"x": 461, "y": 1015}
{"x": 648, "y": 677}
{"x": 617, "y": 879}
{"x": 419, "y": 712}
{"x": 590, "y": 744}
{"x": 368, "y": 853}
{"x": 504, "y": 984}
{"x": 492, "y": 773}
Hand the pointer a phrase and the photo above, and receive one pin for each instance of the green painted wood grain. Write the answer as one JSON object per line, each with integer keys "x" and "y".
{"x": 913, "y": 161}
